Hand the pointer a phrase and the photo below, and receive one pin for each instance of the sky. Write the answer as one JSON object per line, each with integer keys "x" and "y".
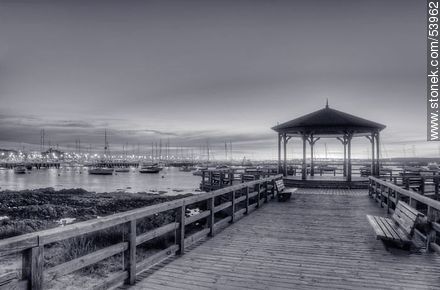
{"x": 193, "y": 72}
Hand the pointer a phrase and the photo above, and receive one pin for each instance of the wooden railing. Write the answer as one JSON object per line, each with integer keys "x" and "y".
{"x": 388, "y": 195}
{"x": 423, "y": 184}
{"x": 237, "y": 200}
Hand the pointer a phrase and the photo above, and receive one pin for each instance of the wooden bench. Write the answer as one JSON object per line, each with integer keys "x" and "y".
{"x": 399, "y": 228}
{"x": 283, "y": 193}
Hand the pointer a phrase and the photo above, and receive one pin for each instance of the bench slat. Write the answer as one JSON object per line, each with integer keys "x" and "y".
{"x": 8, "y": 277}
{"x": 398, "y": 231}
{"x": 406, "y": 224}
{"x": 404, "y": 237}
{"x": 406, "y": 217}
{"x": 405, "y": 211}
{"x": 388, "y": 234}
{"x": 389, "y": 225}
{"x": 376, "y": 227}
{"x": 410, "y": 209}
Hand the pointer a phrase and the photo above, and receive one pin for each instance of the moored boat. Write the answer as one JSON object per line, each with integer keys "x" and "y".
{"x": 150, "y": 168}
{"x": 122, "y": 169}
{"x": 20, "y": 169}
{"x": 101, "y": 171}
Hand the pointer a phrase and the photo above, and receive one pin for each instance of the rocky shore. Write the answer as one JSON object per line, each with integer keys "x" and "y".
{"x": 32, "y": 210}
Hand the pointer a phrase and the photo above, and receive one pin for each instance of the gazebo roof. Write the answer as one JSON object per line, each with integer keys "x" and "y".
{"x": 328, "y": 121}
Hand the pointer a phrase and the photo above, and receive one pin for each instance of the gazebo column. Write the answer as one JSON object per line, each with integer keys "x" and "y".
{"x": 344, "y": 168}
{"x": 373, "y": 164}
{"x": 285, "y": 154}
{"x": 279, "y": 154}
{"x": 349, "y": 137}
{"x": 377, "y": 155}
{"x": 344, "y": 143}
{"x": 304, "y": 164}
{"x": 312, "y": 142}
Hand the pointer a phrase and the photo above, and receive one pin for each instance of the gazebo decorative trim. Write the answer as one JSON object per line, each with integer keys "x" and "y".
{"x": 329, "y": 123}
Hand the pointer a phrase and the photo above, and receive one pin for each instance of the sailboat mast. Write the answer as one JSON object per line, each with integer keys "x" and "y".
{"x": 105, "y": 142}
{"x": 226, "y": 151}
{"x": 207, "y": 148}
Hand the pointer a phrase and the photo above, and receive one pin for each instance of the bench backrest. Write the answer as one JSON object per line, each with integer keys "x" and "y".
{"x": 406, "y": 217}
{"x": 280, "y": 185}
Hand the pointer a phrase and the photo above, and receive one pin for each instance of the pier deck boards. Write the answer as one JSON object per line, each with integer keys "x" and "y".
{"x": 314, "y": 241}
{"x": 326, "y": 181}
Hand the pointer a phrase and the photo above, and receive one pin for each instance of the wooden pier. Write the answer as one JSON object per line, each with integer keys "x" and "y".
{"x": 319, "y": 239}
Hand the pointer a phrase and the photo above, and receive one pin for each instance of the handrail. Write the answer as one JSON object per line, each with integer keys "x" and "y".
{"x": 414, "y": 195}
{"x": 389, "y": 194}
{"x": 32, "y": 244}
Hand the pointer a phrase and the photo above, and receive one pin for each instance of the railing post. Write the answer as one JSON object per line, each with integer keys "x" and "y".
{"x": 370, "y": 188}
{"x": 131, "y": 259}
{"x": 406, "y": 183}
{"x": 377, "y": 191}
{"x": 203, "y": 180}
{"x": 180, "y": 235}
{"x": 32, "y": 268}
{"x": 247, "y": 200}
{"x": 233, "y": 207}
{"x": 381, "y": 195}
{"x": 388, "y": 200}
{"x": 273, "y": 188}
{"x": 211, "y": 218}
{"x": 258, "y": 195}
{"x": 413, "y": 202}
{"x": 265, "y": 192}
{"x": 432, "y": 234}
{"x": 436, "y": 187}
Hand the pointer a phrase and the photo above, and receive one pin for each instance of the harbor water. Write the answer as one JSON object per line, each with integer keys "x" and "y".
{"x": 170, "y": 180}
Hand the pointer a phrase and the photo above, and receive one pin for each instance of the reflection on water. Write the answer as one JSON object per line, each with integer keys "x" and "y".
{"x": 169, "y": 179}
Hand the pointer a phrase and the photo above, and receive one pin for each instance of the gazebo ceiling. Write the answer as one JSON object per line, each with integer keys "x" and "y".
{"x": 328, "y": 122}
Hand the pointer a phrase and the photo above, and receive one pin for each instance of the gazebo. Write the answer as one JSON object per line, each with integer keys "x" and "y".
{"x": 329, "y": 123}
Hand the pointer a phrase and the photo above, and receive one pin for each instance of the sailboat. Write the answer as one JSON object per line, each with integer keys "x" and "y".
{"x": 124, "y": 168}
{"x": 105, "y": 170}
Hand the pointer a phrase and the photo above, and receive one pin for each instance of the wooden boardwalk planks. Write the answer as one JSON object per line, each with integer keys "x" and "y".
{"x": 314, "y": 241}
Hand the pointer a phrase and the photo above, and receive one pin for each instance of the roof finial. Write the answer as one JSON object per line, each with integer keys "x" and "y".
{"x": 326, "y": 104}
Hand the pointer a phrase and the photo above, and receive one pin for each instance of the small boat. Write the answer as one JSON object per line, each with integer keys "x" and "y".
{"x": 433, "y": 166}
{"x": 186, "y": 169}
{"x": 101, "y": 171}
{"x": 122, "y": 169}
{"x": 151, "y": 168}
{"x": 20, "y": 170}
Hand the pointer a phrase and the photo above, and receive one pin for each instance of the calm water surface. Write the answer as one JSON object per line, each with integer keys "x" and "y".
{"x": 170, "y": 179}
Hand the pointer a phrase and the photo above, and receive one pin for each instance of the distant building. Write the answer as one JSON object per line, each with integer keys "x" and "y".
{"x": 5, "y": 153}
{"x": 52, "y": 153}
